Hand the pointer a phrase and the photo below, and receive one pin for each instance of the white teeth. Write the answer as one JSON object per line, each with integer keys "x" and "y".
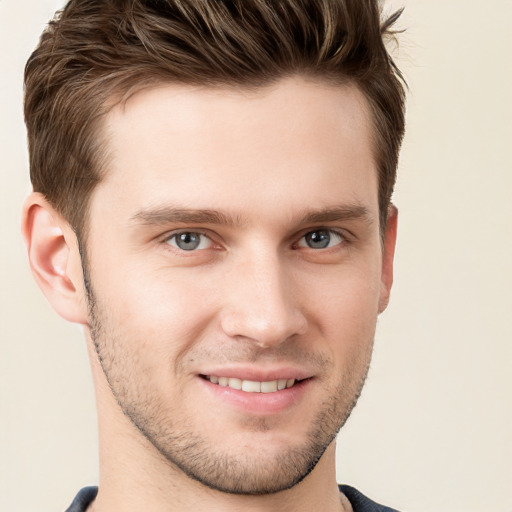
{"x": 235, "y": 383}
{"x": 251, "y": 386}
{"x": 269, "y": 387}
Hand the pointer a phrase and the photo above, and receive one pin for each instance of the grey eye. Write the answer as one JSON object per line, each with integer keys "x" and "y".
{"x": 189, "y": 241}
{"x": 320, "y": 239}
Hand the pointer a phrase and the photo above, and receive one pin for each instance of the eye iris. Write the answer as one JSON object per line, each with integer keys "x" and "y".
{"x": 188, "y": 241}
{"x": 318, "y": 239}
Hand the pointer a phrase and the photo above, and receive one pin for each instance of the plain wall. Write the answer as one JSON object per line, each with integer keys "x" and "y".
{"x": 433, "y": 429}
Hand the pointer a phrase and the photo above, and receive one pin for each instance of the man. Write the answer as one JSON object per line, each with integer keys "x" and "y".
{"x": 212, "y": 184}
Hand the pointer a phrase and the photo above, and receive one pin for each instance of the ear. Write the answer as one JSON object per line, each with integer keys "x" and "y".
{"x": 388, "y": 253}
{"x": 54, "y": 258}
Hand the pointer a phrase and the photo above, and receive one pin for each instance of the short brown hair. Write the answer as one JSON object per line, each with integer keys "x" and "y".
{"x": 95, "y": 53}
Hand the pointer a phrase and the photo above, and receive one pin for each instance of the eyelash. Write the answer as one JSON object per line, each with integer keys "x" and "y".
{"x": 341, "y": 235}
{"x": 171, "y": 236}
{"x": 337, "y": 234}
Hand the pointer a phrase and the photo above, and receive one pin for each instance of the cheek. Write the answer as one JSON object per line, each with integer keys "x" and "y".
{"x": 346, "y": 294}
{"x": 345, "y": 310}
{"x": 156, "y": 316}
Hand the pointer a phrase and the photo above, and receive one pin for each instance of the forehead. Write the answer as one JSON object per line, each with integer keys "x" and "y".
{"x": 295, "y": 141}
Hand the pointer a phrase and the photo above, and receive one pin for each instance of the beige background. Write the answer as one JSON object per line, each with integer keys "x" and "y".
{"x": 433, "y": 430}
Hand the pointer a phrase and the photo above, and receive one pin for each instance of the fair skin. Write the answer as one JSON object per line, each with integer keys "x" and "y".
{"x": 234, "y": 236}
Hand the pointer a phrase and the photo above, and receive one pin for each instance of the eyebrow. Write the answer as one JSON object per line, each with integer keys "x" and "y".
{"x": 169, "y": 215}
{"x": 339, "y": 213}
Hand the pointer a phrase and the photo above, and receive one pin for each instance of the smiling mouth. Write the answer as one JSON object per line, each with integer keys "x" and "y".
{"x": 251, "y": 386}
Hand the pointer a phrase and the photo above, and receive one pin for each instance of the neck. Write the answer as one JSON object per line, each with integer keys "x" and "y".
{"x": 130, "y": 489}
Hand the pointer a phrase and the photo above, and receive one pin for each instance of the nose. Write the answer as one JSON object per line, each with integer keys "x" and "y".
{"x": 262, "y": 303}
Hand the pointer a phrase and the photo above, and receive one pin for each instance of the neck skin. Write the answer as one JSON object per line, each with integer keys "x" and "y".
{"x": 135, "y": 477}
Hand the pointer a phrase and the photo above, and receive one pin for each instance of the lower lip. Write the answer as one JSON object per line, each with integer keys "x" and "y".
{"x": 258, "y": 403}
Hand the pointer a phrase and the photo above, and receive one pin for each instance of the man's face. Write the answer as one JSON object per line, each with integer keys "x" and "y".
{"x": 235, "y": 243}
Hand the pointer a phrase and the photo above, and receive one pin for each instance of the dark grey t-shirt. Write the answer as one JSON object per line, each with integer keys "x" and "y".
{"x": 359, "y": 502}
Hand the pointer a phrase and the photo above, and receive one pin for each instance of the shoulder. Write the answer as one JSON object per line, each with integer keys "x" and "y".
{"x": 83, "y": 499}
{"x": 361, "y": 503}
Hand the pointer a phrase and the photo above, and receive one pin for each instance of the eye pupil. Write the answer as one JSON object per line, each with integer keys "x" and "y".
{"x": 318, "y": 239}
{"x": 188, "y": 241}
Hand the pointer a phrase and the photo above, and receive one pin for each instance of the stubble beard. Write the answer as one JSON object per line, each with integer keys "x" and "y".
{"x": 184, "y": 448}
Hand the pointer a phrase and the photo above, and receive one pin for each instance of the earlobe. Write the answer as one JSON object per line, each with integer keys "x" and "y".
{"x": 388, "y": 253}
{"x": 54, "y": 258}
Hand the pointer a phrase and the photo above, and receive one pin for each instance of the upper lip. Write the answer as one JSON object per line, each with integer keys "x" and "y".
{"x": 259, "y": 374}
